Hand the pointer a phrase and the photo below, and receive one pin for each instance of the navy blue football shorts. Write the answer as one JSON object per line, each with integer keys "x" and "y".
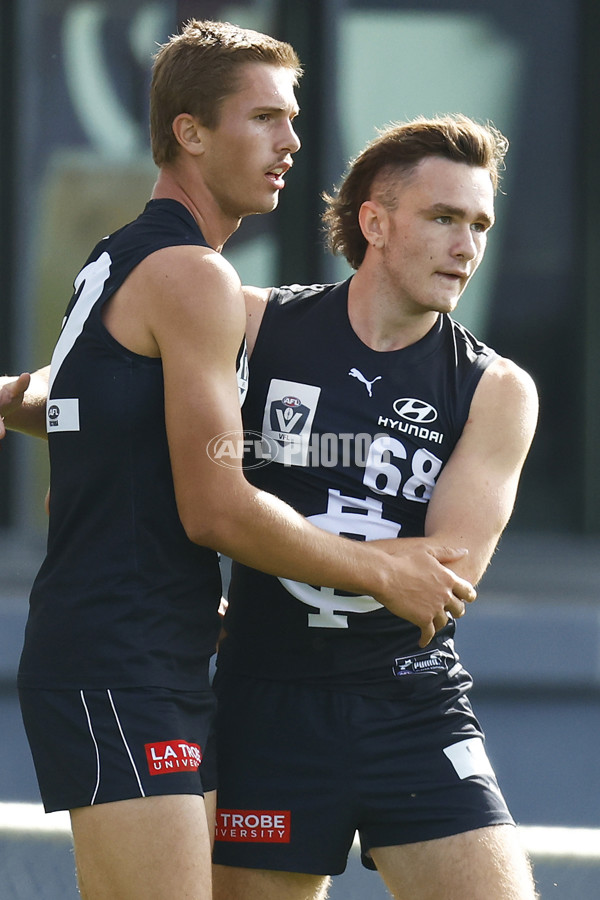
{"x": 98, "y": 746}
{"x": 302, "y": 769}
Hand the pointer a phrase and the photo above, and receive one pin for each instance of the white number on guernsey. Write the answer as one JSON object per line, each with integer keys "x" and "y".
{"x": 364, "y": 519}
{"x": 93, "y": 277}
{"x": 383, "y": 477}
{"x": 354, "y": 518}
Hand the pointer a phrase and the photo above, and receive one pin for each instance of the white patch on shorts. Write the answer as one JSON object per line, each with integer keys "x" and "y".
{"x": 469, "y": 758}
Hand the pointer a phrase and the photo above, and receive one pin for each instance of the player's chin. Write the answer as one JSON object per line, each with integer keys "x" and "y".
{"x": 443, "y": 306}
{"x": 264, "y": 205}
{"x": 448, "y": 302}
{"x": 274, "y": 201}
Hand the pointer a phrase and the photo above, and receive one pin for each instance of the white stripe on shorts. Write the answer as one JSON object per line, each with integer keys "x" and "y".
{"x": 89, "y": 721}
{"x": 131, "y": 760}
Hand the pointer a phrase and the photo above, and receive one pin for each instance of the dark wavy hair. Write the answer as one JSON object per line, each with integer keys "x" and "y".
{"x": 398, "y": 150}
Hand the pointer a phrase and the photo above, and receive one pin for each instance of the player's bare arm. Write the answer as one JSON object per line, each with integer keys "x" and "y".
{"x": 23, "y": 403}
{"x": 475, "y": 495}
{"x": 12, "y": 392}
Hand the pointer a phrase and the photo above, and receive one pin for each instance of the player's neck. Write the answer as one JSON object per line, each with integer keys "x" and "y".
{"x": 215, "y": 225}
{"x": 380, "y": 322}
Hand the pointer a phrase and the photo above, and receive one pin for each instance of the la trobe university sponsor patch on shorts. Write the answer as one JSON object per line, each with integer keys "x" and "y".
{"x": 166, "y": 757}
{"x": 265, "y": 826}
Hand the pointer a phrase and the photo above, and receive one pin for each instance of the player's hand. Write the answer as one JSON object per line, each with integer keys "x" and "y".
{"x": 425, "y": 590}
{"x": 11, "y": 397}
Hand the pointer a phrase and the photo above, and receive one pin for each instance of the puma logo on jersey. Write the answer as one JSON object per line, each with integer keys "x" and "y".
{"x": 356, "y": 373}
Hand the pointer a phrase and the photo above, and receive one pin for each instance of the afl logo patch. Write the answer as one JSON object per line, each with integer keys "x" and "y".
{"x": 62, "y": 415}
{"x": 291, "y": 401}
{"x": 415, "y": 410}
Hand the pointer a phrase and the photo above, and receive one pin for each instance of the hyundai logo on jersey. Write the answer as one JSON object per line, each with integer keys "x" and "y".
{"x": 415, "y": 410}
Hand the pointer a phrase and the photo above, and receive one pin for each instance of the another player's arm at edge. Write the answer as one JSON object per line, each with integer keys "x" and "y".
{"x": 23, "y": 403}
{"x": 475, "y": 494}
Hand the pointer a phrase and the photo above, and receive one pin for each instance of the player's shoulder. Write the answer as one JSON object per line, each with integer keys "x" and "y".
{"x": 194, "y": 264}
{"x": 505, "y": 370}
{"x": 164, "y": 240}
{"x": 508, "y": 382}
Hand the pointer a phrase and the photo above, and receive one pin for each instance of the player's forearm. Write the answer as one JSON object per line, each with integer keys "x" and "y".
{"x": 30, "y": 416}
{"x": 267, "y": 534}
{"x": 475, "y": 522}
{"x": 473, "y": 564}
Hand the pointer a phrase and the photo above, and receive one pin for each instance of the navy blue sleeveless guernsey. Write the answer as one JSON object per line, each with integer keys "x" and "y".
{"x": 355, "y": 440}
{"x": 123, "y": 598}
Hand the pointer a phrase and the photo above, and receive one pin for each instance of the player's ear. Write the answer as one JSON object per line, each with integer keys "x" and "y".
{"x": 188, "y": 133}
{"x": 372, "y": 218}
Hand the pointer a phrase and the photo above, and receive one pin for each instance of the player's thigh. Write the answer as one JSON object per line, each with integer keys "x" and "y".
{"x": 485, "y": 864}
{"x": 148, "y": 848}
{"x": 210, "y": 807}
{"x": 231, "y": 883}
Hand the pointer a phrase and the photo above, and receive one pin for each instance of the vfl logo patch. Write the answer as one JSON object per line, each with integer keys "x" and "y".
{"x": 288, "y": 416}
{"x": 166, "y": 757}
{"x": 430, "y": 661}
{"x": 253, "y": 826}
